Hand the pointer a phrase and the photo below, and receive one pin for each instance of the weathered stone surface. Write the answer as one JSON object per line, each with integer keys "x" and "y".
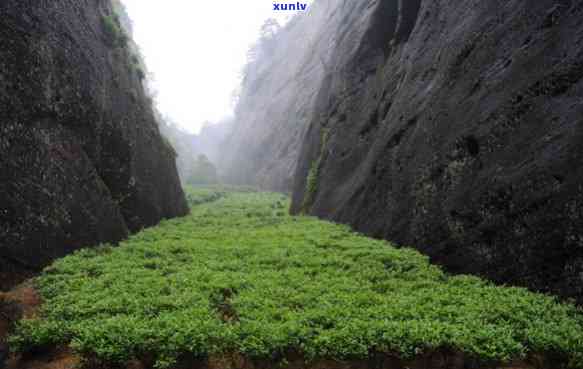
{"x": 457, "y": 128}
{"x": 278, "y": 99}
{"x": 81, "y": 158}
{"x": 454, "y": 127}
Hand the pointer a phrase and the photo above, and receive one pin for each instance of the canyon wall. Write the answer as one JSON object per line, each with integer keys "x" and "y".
{"x": 82, "y": 161}
{"x": 278, "y": 98}
{"x": 459, "y": 133}
{"x": 455, "y": 127}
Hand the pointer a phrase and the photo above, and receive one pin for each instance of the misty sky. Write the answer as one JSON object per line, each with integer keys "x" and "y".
{"x": 195, "y": 50}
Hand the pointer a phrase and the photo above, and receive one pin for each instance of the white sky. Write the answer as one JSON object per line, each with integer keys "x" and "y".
{"x": 196, "y": 50}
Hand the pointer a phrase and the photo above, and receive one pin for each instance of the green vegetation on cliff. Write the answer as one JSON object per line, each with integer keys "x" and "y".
{"x": 240, "y": 275}
{"x": 312, "y": 179}
{"x": 116, "y": 36}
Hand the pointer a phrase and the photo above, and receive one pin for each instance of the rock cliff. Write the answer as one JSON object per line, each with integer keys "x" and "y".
{"x": 81, "y": 158}
{"x": 457, "y": 128}
{"x": 453, "y": 127}
{"x": 277, "y": 101}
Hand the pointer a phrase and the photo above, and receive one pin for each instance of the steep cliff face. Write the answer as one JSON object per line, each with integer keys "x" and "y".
{"x": 278, "y": 100}
{"x": 81, "y": 157}
{"x": 456, "y": 128}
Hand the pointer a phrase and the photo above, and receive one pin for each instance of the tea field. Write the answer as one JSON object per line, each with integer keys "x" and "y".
{"x": 241, "y": 275}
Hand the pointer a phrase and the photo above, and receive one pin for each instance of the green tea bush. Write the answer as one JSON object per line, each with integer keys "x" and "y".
{"x": 201, "y": 195}
{"x": 238, "y": 276}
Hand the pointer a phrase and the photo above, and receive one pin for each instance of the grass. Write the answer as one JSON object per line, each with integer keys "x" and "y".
{"x": 240, "y": 275}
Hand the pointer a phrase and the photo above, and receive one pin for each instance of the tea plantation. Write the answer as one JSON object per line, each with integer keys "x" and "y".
{"x": 240, "y": 275}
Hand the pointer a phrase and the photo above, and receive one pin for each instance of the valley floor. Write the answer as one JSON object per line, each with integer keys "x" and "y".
{"x": 241, "y": 284}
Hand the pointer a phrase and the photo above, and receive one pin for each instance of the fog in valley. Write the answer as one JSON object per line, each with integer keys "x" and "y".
{"x": 197, "y": 55}
{"x": 238, "y": 184}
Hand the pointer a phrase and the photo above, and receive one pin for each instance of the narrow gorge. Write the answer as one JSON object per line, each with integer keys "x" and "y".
{"x": 392, "y": 184}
